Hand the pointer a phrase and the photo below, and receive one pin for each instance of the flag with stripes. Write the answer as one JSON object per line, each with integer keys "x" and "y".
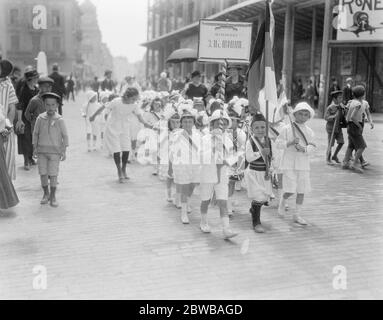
{"x": 261, "y": 75}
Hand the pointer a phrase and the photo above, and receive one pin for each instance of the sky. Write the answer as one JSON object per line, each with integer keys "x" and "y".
{"x": 123, "y": 25}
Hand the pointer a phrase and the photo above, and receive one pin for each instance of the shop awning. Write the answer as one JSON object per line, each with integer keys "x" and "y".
{"x": 251, "y": 10}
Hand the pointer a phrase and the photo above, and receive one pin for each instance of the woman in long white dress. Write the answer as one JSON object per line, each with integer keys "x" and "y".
{"x": 118, "y": 131}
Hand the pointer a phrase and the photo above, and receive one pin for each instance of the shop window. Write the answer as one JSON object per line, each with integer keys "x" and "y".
{"x": 15, "y": 43}
{"x": 14, "y": 16}
{"x": 56, "y": 18}
{"x": 36, "y": 40}
{"x": 56, "y": 44}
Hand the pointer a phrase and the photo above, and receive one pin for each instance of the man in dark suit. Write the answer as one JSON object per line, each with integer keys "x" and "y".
{"x": 58, "y": 85}
{"x": 347, "y": 91}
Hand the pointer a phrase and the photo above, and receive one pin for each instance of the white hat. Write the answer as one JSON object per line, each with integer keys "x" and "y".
{"x": 304, "y": 106}
{"x": 169, "y": 111}
{"x": 234, "y": 100}
{"x": 220, "y": 114}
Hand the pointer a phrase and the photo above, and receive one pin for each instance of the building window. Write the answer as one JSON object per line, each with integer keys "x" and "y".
{"x": 14, "y": 16}
{"x": 56, "y": 44}
{"x": 56, "y": 18}
{"x": 15, "y": 42}
{"x": 36, "y": 43}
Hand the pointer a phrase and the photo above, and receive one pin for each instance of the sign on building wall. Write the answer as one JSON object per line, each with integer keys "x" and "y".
{"x": 360, "y": 20}
{"x": 346, "y": 63}
{"x": 220, "y": 40}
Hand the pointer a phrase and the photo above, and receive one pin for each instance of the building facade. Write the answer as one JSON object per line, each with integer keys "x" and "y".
{"x": 309, "y": 43}
{"x": 96, "y": 55}
{"x": 21, "y": 41}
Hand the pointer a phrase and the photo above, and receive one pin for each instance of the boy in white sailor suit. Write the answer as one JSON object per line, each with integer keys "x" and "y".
{"x": 214, "y": 175}
{"x": 297, "y": 142}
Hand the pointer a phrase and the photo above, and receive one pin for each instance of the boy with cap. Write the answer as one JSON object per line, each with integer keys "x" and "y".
{"x": 296, "y": 141}
{"x": 50, "y": 140}
{"x": 258, "y": 181}
{"x": 36, "y": 104}
{"x": 335, "y": 117}
{"x": 358, "y": 109}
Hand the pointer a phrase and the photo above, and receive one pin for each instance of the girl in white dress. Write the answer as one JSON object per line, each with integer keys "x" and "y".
{"x": 90, "y": 112}
{"x": 186, "y": 160}
{"x": 117, "y": 131}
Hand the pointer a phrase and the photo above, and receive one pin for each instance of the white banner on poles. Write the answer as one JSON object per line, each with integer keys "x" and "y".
{"x": 224, "y": 40}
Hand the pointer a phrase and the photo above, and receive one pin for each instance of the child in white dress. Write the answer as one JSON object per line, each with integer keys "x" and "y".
{"x": 297, "y": 142}
{"x": 92, "y": 119}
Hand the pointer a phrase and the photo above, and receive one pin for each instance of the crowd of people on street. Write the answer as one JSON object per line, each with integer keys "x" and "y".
{"x": 195, "y": 138}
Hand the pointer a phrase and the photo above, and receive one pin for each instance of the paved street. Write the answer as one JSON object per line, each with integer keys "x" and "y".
{"x": 114, "y": 241}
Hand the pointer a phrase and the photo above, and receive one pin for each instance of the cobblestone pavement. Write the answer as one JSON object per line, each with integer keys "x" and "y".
{"x": 114, "y": 241}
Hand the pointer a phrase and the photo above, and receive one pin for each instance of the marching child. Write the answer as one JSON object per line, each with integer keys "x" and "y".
{"x": 296, "y": 141}
{"x": 167, "y": 137}
{"x": 358, "y": 109}
{"x": 92, "y": 117}
{"x": 185, "y": 159}
{"x": 50, "y": 141}
{"x": 258, "y": 179}
{"x": 238, "y": 138}
{"x": 214, "y": 174}
{"x": 335, "y": 118}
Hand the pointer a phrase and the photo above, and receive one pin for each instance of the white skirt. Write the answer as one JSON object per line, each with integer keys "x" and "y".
{"x": 296, "y": 181}
{"x": 186, "y": 173}
{"x": 258, "y": 188}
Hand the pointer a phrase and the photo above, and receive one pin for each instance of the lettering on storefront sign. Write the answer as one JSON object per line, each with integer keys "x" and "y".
{"x": 363, "y": 5}
{"x": 359, "y": 20}
{"x": 224, "y": 40}
{"x": 39, "y": 19}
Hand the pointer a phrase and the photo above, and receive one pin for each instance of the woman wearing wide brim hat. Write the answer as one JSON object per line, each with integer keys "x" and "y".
{"x": 23, "y": 127}
{"x": 6, "y": 68}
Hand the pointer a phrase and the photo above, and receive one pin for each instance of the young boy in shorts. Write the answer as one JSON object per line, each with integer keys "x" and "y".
{"x": 50, "y": 140}
{"x": 334, "y": 116}
{"x": 358, "y": 108}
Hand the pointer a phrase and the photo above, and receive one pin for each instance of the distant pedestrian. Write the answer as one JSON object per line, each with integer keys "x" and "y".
{"x": 95, "y": 85}
{"x": 59, "y": 84}
{"x": 108, "y": 84}
{"x": 23, "y": 127}
{"x": 92, "y": 119}
{"x": 70, "y": 84}
{"x": 347, "y": 91}
{"x": 234, "y": 84}
{"x": 333, "y": 87}
{"x": 309, "y": 93}
{"x": 164, "y": 83}
{"x": 50, "y": 141}
{"x": 195, "y": 89}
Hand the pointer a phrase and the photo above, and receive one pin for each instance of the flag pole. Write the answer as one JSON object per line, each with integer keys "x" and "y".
{"x": 267, "y": 173}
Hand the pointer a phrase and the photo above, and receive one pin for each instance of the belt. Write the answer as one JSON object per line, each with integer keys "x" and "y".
{"x": 257, "y": 168}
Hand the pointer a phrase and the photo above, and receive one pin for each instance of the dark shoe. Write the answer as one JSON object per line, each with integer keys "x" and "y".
{"x": 335, "y": 158}
{"x": 364, "y": 164}
{"x": 27, "y": 167}
{"x": 46, "y": 196}
{"x": 53, "y": 200}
